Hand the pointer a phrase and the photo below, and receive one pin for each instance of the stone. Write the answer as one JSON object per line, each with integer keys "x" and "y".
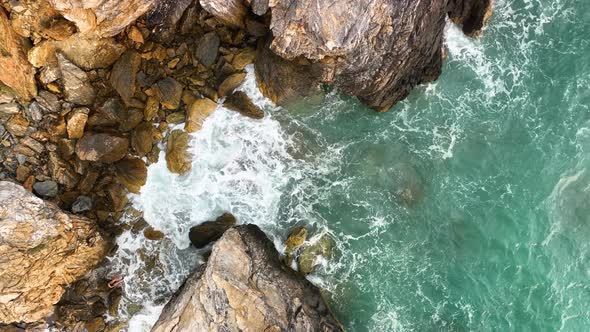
{"x": 231, "y": 12}
{"x": 66, "y": 147}
{"x": 230, "y": 84}
{"x": 240, "y": 102}
{"x": 62, "y": 172}
{"x": 76, "y": 122}
{"x": 198, "y": 111}
{"x": 309, "y": 255}
{"x": 17, "y": 125}
{"x": 76, "y": 84}
{"x": 130, "y": 119}
{"x": 153, "y": 234}
{"x": 9, "y": 109}
{"x": 175, "y": 118}
{"x": 104, "y": 18}
{"x": 32, "y": 144}
{"x": 210, "y": 231}
{"x": 124, "y": 74}
{"x": 90, "y": 53}
{"x": 152, "y": 106}
{"x": 295, "y": 240}
{"x": 132, "y": 173}
{"x": 35, "y": 112}
{"x": 170, "y": 93}
{"x": 177, "y": 155}
{"x": 244, "y": 286}
{"x": 34, "y": 19}
{"x": 135, "y": 35}
{"x": 82, "y": 204}
{"x": 17, "y": 73}
{"x": 48, "y": 101}
{"x": 142, "y": 138}
{"x": 22, "y": 173}
{"x": 109, "y": 114}
{"x": 102, "y": 147}
{"x": 244, "y": 58}
{"x": 36, "y": 250}
{"x": 207, "y": 49}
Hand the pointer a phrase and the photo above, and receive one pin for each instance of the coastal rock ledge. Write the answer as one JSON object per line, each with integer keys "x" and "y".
{"x": 42, "y": 250}
{"x": 245, "y": 287}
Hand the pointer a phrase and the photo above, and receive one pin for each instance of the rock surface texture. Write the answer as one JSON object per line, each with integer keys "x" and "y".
{"x": 245, "y": 287}
{"x": 42, "y": 249}
{"x": 374, "y": 49}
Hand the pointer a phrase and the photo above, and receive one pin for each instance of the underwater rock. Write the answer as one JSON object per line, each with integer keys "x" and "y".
{"x": 309, "y": 255}
{"x": 245, "y": 287}
{"x": 295, "y": 239}
{"x": 211, "y": 231}
{"x": 36, "y": 249}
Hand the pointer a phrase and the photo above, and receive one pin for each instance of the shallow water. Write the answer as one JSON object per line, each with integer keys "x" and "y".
{"x": 467, "y": 207}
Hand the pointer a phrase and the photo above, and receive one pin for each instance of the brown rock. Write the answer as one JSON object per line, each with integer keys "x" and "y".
{"x": 102, "y": 147}
{"x": 142, "y": 138}
{"x": 76, "y": 85}
{"x": 230, "y": 84}
{"x": 199, "y": 110}
{"x": 207, "y": 49}
{"x": 33, "y": 144}
{"x": 17, "y": 125}
{"x": 170, "y": 93}
{"x": 37, "y": 245}
{"x": 76, "y": 122}
{"x": 240, "y": 102}
{"x": 66, "y": 147}
{"x": 123, "y": 75}
{"x": 152, "y": 234}
{"x": 132, "y": 173}
{"x": 90, "y": 53}
{"x": 131, "y": 119}
{"x": 22, "y": 173}
{"x": 135, "y": 35}
{"x": 231, "y": 12}
{"x": 211, "y": 231}
{"x": 118, "y": 196}
{"x": 177, "y": 156}
{"x": 17, "y": 72}
{"x": 152, "y": 106}
{"x": 62, "y": 172}
{"x": 244, "y": 58}
{"x": 37, "y": 18}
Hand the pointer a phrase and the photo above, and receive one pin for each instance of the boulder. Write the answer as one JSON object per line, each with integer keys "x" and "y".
{"x": 143, "y": 137}
{"x": 76, "y": 122}
{"x": 231, "y": 12}
{"x": 295, "y": 240}
{"x": 75, "y": 81}
{"x": 177, "y": 156}
{"x": 42, "y": 250}
{"x": 207, "y": 49}
{"x": 308, "y": 258}
{"x": 37, "y": 18}
{"x": 102, "y": 147}
{"x": 62, "y": 172}
{"x": 198, "y": 111}
{"x": 82, "y": 204}
{"x": 211, "y": 231}
{"x": 170, "y": 93}
{"x": 240, "y": 102}
{"x": 245, "y": 287}
{"x": 124, "y": 73}
{"x": 230, "y": 84}
{"x": 132, "y": 173}
{"x": 17, "y": 73}
{"x": 46, "y": 189}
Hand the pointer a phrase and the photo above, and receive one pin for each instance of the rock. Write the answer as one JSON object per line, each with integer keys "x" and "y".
{"x": 152, "y": 234}
{"x": 109, "y": 114}
{"x": 296, "y": 238}
{"x": 378, "y": 54}
{"x": 76, "y": 122}
{"x": 132, "y": 173}
{"x": 164, "y": 17}
{"x": 240, "y": 102}
{"x": 90, "y": 53}
{"x": 102, "y": 147}
{"x": 36, "y": 250}
{"x": 46, "y": 189}
{"x": 9, "y": 109}
{"x": 66, "y": 147}
{"x": 62, "y": 172}
{"x": 130, "y": 119}
{"x": 175, "y": 118}
{"x": 309, "y": 255}
{"x": 82, "y": 204}
{"x": 230, "y": 84}
{"x": 48, "y": 101}
{"x": 37, "y": 18}
{"x": 22, "y": 173}
{"x": 170, "y": 93}
{"x": 177, "y": 156}
{"x": 17, "y": 125}
{"x": 135, "y": 35}
{"x": 35, "y": 112}
{"x": 17, "y": 73}
{"x": 245, "y": 287}
{"x": 124, "y": 73}
{"x": 199, "y": 110}
{"x": 32, "y": 144}
{"x": 142, "y": 138}
{"x": 104, "y": 18}
{"x": 152, "y": 106}
{"x": 211, "y": 231}
{"x": 207, "y": 49}
{"x": 76, "y": 85}
{"x": 244, "y": 58}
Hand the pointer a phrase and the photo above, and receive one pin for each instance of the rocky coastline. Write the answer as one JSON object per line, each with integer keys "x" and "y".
{"x": 91, "y": 92}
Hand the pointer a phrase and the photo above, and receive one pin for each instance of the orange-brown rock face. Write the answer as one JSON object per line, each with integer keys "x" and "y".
{"x": 42, "y": 250}
{"x": 16, "y": 72}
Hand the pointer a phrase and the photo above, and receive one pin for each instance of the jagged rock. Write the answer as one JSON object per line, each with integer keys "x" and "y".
{"x": 245, "y": 287}
{"x": 76, "y": 122}
{"x": 48, "y": 101}
{"x": 17, "y": 125}
{"x": 17, "y": 73}
{"x": 62, "y": 172}
{"x": 9, "y": 108}
{"x": 240, "y": 102}
{"x": 36, "y": 251}
{"x": 108, "y": 114}
{"x": 230, "y": 84}
{"x": 231, "y": 12}
{"x": 77, "y": 87}
{"x": 198, "y": 111}
{"x": 177, "y": 156}
{"x": 104, "y": 18}
{"x": 164, "y": 17}
{"x": 170, "y": 93}
{"x": 309, "y": 255}
{"x": 82, "y": 204}
{"x": 132, "y": 173}
{"x": 102, "y": 147}
{"x": 211, "y": 231}
{"x": 123, "y": 76}
{"x": 46, "y": 189}
{"x": 142, "y": 138}
{"x": 295, "y": 239}
{"x": 207, "y": 49}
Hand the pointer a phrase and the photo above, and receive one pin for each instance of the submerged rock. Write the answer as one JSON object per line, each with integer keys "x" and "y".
{"x": 240, "y": 102}
{"x": 42, "y": 250}
{"x": 308, "y": 258}
{"x": 295, "y": 240}
{"x": 245, "y": 287}
{"x": 211, "y": 231}
{"x": 177, "y": 156}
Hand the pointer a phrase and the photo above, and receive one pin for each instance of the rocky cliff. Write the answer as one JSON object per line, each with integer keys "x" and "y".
{"x": 245, "y": 287}
{"x": 42, "y": 250}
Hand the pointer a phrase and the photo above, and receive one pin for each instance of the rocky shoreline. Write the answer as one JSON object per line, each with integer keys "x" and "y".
{"x": 91, "y": 93}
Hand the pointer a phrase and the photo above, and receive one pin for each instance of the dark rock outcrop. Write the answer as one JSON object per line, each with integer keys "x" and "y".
{"x": 209, "y": 231}
{"x": 245, "y": 287}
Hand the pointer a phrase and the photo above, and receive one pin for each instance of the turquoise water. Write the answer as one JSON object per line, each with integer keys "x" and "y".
{"x": 465, "y": 208}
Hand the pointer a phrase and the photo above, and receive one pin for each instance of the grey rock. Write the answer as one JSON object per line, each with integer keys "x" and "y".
{"x": 82, "y": 204}
{"x": 46, "y": 189}
{"x": 48, "y": 101}
{"x": 207, "y": 49}
{"x": 35, "y": 112}
{"x": 2, "y": 130}
{"x": 9, "y": 109}
{"x": 245, "y": 287}
{"x": 21, "y": 158}
{"x": 77, "y": 87}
